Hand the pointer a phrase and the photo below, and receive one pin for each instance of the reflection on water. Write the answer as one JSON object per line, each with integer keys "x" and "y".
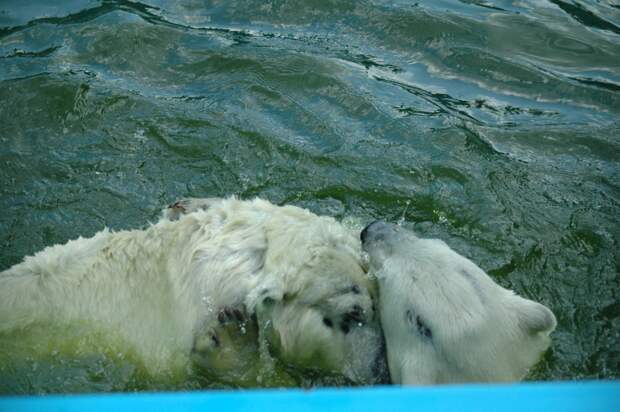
{"x": 493, "y": 125}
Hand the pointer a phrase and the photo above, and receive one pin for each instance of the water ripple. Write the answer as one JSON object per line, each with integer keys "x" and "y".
{"x": 492, "y": 125}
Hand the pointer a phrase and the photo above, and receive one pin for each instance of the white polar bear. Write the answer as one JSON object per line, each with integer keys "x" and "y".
{"x": 163, "y": 291}
{"x": 444, "y": 319}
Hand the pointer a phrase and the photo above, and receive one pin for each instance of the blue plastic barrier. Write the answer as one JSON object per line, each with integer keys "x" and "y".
{"x": 526, "y": 397}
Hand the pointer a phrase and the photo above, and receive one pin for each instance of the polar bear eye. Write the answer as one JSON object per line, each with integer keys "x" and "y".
{"x": 417, "y": 322}
{"x": 328, "y": 322}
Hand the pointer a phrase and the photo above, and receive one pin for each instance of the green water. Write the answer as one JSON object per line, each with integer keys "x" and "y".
{"x": 492, "y": 125}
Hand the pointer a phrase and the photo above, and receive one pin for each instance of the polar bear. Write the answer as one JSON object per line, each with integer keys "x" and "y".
{"x": 444, "y": 319}
{"x": 295, "y": 278}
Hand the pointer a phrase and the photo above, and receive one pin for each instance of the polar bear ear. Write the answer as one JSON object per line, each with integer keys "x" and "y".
{"x": 188, "y": 205}
{"x": 535, "y": 318}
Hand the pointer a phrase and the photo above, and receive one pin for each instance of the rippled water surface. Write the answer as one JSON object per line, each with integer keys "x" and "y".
{"x": 493, "y": 125}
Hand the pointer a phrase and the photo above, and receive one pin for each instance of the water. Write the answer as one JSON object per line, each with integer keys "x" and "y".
{"x": 492, "y": 125}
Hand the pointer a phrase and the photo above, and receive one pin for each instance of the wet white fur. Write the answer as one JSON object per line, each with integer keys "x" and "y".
{"x": 159, "y": 288}
{"x": 479, "y": 330}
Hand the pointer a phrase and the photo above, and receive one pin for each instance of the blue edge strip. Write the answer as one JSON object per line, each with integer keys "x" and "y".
{"x": 523, "y": 397}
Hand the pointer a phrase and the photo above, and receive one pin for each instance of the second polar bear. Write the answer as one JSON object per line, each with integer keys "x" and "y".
{"x": 444, "y": 319}
{"x": 165, "y": 291}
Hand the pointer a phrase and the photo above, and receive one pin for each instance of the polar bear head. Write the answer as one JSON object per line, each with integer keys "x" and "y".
{"x": 316, "y": 304}
{"x": 299, "y": 276}
{"x": 444, "y": 319}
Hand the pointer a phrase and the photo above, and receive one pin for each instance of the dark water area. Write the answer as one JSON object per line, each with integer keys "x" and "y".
{"x": 493, "y": 125}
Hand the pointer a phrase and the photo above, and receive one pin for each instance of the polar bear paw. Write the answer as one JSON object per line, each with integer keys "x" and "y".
{"x": 221, "y": 348}
{"x": 234, "y": 325}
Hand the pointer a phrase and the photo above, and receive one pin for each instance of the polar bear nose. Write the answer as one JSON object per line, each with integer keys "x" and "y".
{"x": 368, "y": 230}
